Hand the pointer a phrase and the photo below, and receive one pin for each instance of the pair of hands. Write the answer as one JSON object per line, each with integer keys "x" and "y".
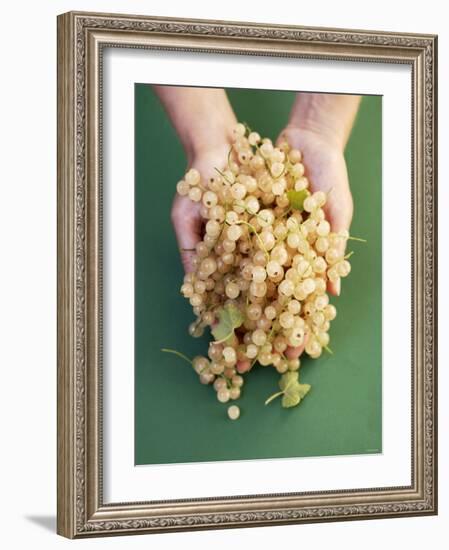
{"x": 325, "y": 167}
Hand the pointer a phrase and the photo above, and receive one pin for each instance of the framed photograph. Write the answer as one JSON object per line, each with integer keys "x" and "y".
{"x": 247, "y": 274}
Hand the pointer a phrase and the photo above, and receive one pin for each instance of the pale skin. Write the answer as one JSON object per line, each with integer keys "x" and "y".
{"x": 319, "y": 125}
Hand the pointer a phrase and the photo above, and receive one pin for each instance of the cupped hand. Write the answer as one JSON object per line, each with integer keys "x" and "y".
{"x": 325, "y": 167}
{"x": 185, "y": 214}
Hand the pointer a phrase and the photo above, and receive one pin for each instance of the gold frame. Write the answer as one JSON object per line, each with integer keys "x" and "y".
{"x": 81, "y": 38}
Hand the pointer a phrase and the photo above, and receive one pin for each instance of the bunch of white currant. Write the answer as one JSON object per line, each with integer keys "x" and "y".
{"x": 261, "y": 270}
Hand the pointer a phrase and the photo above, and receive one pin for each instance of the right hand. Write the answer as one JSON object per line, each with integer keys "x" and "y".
{"x": 185, "y": 214}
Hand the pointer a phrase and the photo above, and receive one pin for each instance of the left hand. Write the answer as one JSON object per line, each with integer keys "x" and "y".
{"x": 325, "y": 167}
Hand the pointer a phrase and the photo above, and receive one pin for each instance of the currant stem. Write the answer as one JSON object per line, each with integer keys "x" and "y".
{"x": 224, "y": 339}
{"x": 229, "y": 157}
{"x": 223, "y": 176}
{"x": 178, "y": 353}
{"x": 272, "y": 397}
{"x": 262, "y": 246}
{"x": 228, "y": 382}
{"x": 267, "y": 165}
{"x": 280, "y": 175}
{"x": 248, "y": 129}
{"x": 248, "y": 211}
{"x": 350, "y": 238}
{"x": 277, "y": 394}
{"x": 222, "y": 225}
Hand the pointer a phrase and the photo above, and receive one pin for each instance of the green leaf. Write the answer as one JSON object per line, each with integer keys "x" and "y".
{"x": 294, "y": 392}
{"x": 297, "y": 198}
{"x": 229, "y": 318}
{"x": 288, "y": 378}
{"x": 290, "y": 399}
{"x": 291, "y": 390}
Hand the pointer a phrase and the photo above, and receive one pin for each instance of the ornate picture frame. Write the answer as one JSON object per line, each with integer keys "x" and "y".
{"x": 82, "y": 38}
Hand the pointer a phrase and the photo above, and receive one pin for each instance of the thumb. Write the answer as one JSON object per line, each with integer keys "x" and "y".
{"x": 282, "y": 138}
{"x": 187, "y": 224}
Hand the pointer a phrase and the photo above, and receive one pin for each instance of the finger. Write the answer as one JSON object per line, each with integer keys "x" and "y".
{"x": 334, "y": 287}
{"x": 188, "y": 234}
{"x": 188, "y": 227}
{"x": 339, "y": 210}
{"x": 243, "y": 366}
{"x": 294, "y": 353}
{"x": 282, "y": 137}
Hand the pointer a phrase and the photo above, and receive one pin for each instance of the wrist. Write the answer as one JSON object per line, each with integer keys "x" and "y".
{"x": 207, "y": 136}
{"x": 305, "y": 137}
{"x": 328, "y": 117}
{"x": 202, "y": 117}
{"x": 323, "y": 133}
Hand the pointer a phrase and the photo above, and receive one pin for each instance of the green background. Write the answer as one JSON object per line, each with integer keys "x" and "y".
{"x": 177, "y": 419}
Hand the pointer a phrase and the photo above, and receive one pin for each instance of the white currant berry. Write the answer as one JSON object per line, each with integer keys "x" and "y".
{"x": 233, "y": 412}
